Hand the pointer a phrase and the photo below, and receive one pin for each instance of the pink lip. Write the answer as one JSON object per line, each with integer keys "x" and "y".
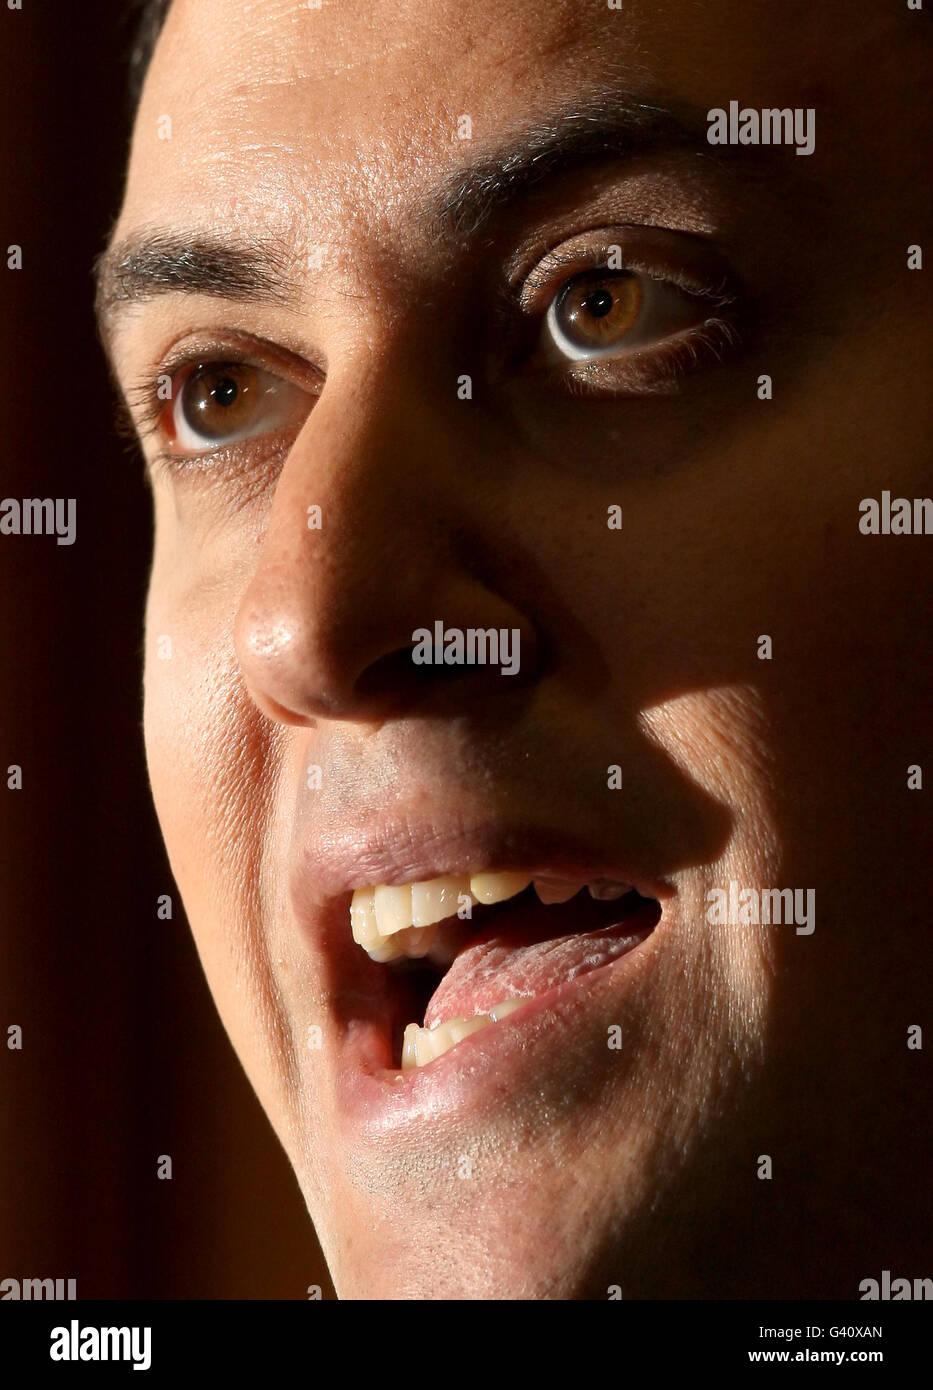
{"x": 396, "y": 852}
{"x": 375, "y": 1098}
{"x": 372, "y": 1093}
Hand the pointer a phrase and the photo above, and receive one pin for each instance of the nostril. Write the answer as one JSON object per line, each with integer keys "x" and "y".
{"x": 395, "y": 679}
{"x": 398, "y": 678}
{"x": 395, "y": 672}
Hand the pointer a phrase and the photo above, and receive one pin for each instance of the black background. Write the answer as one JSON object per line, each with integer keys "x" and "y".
{"x": 123, "y": 1055}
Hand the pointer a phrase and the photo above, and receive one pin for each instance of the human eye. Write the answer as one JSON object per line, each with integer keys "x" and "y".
{"x": 204, "y": 404}
{"x": 632, "y": 317}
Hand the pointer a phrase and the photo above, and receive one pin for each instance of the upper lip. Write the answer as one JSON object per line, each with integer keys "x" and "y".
{"x": 370, "y": 1002}
{"x": 403, "y": 850}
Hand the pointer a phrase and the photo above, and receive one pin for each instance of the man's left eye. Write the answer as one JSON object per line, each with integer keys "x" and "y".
{"x": 608, "y": 313}
{"x": 218, "y": 403}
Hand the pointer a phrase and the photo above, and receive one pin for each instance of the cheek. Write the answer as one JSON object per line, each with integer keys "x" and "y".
{"x": 184, "y": 748}
{"x": 195, "y": 717}
{"x": 205, "y": 748}
{"x": 723, "y": 741}
{"x": 212, "y": 766}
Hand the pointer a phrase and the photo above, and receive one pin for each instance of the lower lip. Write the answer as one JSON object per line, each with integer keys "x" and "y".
{"x": 375, "y": 1097}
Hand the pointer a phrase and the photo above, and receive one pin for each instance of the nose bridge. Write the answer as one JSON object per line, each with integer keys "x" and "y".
{"x": 379, "y": 445}
{"x": 376, "y": 457}
{"x": 365, "y": 543}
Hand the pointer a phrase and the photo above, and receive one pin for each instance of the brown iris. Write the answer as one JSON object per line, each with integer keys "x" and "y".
{"x": 598, "y": 310}
{"x": 220, "y": 398}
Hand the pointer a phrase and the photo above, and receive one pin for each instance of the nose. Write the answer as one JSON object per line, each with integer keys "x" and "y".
{"x": 404, "y": 540}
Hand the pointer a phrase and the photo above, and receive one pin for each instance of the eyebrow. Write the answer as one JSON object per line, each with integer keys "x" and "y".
{"x": 151, "y": 262}
{"x": 601, "y": 128}
{"x": 156, "y": 261}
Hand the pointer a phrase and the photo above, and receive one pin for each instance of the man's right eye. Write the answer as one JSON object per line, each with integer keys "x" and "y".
{"x": 215, "y": 404}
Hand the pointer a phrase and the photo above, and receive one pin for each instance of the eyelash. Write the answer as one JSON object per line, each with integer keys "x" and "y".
{"x": 573, "y": 263}
{"x": 144, "y": 410}
{"x": 670, "y": 362}
{"x": 143, "y": 399}
{"x": 659, "y": 366}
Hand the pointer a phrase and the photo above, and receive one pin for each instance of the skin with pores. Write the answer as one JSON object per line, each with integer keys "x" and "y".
{"x": 328, "y": 140}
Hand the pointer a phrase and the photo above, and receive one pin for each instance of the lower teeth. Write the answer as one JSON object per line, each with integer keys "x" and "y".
{"x": 422, "y": 1045}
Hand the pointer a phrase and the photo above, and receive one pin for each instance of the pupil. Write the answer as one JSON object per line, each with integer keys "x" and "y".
{"x": 226, "y": 391}
{"x": 599, "y": 302}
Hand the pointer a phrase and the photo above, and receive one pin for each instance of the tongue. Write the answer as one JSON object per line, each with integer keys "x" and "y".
{"x": 527, "y": 949}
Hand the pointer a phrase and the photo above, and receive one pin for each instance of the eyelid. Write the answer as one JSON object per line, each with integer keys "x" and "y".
{"x": 692, "y": 263}
{"x": 672, "y": 263}
{"x": 148, "y": 408}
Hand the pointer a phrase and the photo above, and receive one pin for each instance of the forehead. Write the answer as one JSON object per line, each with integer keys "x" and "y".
{"x": 345, "y": 113}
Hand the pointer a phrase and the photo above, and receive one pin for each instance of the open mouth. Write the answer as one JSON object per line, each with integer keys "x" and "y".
{"x": 468, "y": 951}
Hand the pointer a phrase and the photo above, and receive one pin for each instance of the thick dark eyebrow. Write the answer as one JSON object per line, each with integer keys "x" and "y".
{"x": 600, "y": 127}
{"x": 151, "y": 262}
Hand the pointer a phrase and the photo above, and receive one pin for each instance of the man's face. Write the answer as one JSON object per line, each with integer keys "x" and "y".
{"x": 470, "y": 280}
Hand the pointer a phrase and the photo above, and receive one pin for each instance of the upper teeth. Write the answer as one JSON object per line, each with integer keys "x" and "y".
{"x": 394, "y": 920}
